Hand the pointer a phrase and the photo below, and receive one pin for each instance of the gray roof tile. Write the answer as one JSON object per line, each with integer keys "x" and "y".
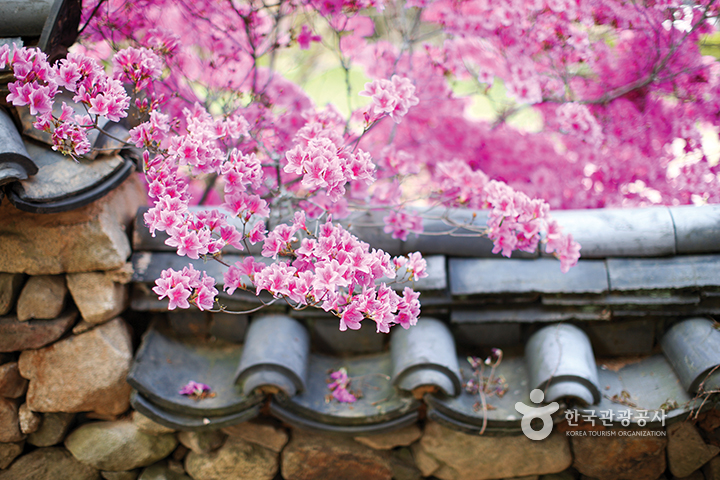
{"x": 631, "y": 232}
{"x": 15, "y": 162}
{"x": 561, "y": 362}
{"x": 209, "y": 362}
{"x": 508, "y": 276}
{"x": 664, "y": 273}
{"x": 189, "y": 422}
{"x": 464, "y": 411}
{"x": 435, "y": 282}
{"x": 697, "y": 229}
{"x": 619, "y": 304}
{"x": 58, "y": 177}
{"x": 368, "y": 227}
{"x": 381, "y": 407}
{"x": 424, "y": 355}
{"x": 655, "y": 298}
{"x": 693, "y": 349}
{"x": 275, "y": 354}
{"x": 530, "y": 314}
{"x": 648, "y": 384}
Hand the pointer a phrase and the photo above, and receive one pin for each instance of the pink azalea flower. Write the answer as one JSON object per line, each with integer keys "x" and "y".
{"x": 276, "y": 279}
{"x": 194, "y": 388}
{"x": 416, "y": 265}
{"x": 40, "y": 101}
{"x": 351, "y": 318}
{"x": 343, "y": 395}
{"x": 339, "y": 386}
{"x": 232, "y": 279}
{"x": 305, "y": 37}
{"x": 206, "y": 292}
{"x": 178, "y": 296}
{"x": 329, "y": 276}
{"x": 231, "y": 236}
{"x": 257, "y": 233}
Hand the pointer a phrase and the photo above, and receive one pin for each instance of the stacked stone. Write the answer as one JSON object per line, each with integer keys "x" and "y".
{"x": 63, "y": 348}
{"x": 136, "y": 448}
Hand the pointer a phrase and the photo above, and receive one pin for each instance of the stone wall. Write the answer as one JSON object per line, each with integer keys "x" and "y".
{"x": 135, "y": 447}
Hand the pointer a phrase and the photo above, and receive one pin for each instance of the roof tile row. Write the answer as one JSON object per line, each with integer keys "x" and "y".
{"x": 610, "y": 305}
{"x": 557, "y": 359}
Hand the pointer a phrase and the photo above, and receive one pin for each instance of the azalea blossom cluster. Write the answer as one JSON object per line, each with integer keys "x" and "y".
{"x": 178, "y": 286}
{"x": 335, "y": 271}
{"x": 37, "y": 83}
{"x": 393, "y": 97}
{"x": 614, "y": 85}
{"x": 324, "y": 164}
{"x": 515, "y": 221}
{"x": 332, "y": 270}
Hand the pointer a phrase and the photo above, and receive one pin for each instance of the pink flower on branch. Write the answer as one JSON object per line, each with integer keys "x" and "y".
{"x": 400, "y": 224}
{"x": 392, "y": 97}
{"x": 185, "y": 287}
{"x": 138, "y": 66}
{"x": 305, "y": 37}
{"x": 245, "y": 206}
{"x": 37, "y": 85}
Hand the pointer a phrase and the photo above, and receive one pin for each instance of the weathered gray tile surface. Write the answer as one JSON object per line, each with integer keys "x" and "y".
{"x": 651, "y": 299}
{"x": 528, "y": 314}
{"x": 164, "y": 364}
{"x": 630, "y": 232}
{"x": 190, "y": 422}
{"x": 59, "y": 177}
{"x": 649, "y": 384}
{"x": 691, "y": 271}
{"x": 697, "y": 229}
{"x": 380, "y": 402}
{"x": 508, "y": 276}
{"x": 466, "y": 409}
{"x": 437, "y": 275}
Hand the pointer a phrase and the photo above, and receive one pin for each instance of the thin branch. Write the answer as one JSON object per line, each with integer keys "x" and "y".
{"x": 92, "y": 14}
{"x": 222, "y": 309}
